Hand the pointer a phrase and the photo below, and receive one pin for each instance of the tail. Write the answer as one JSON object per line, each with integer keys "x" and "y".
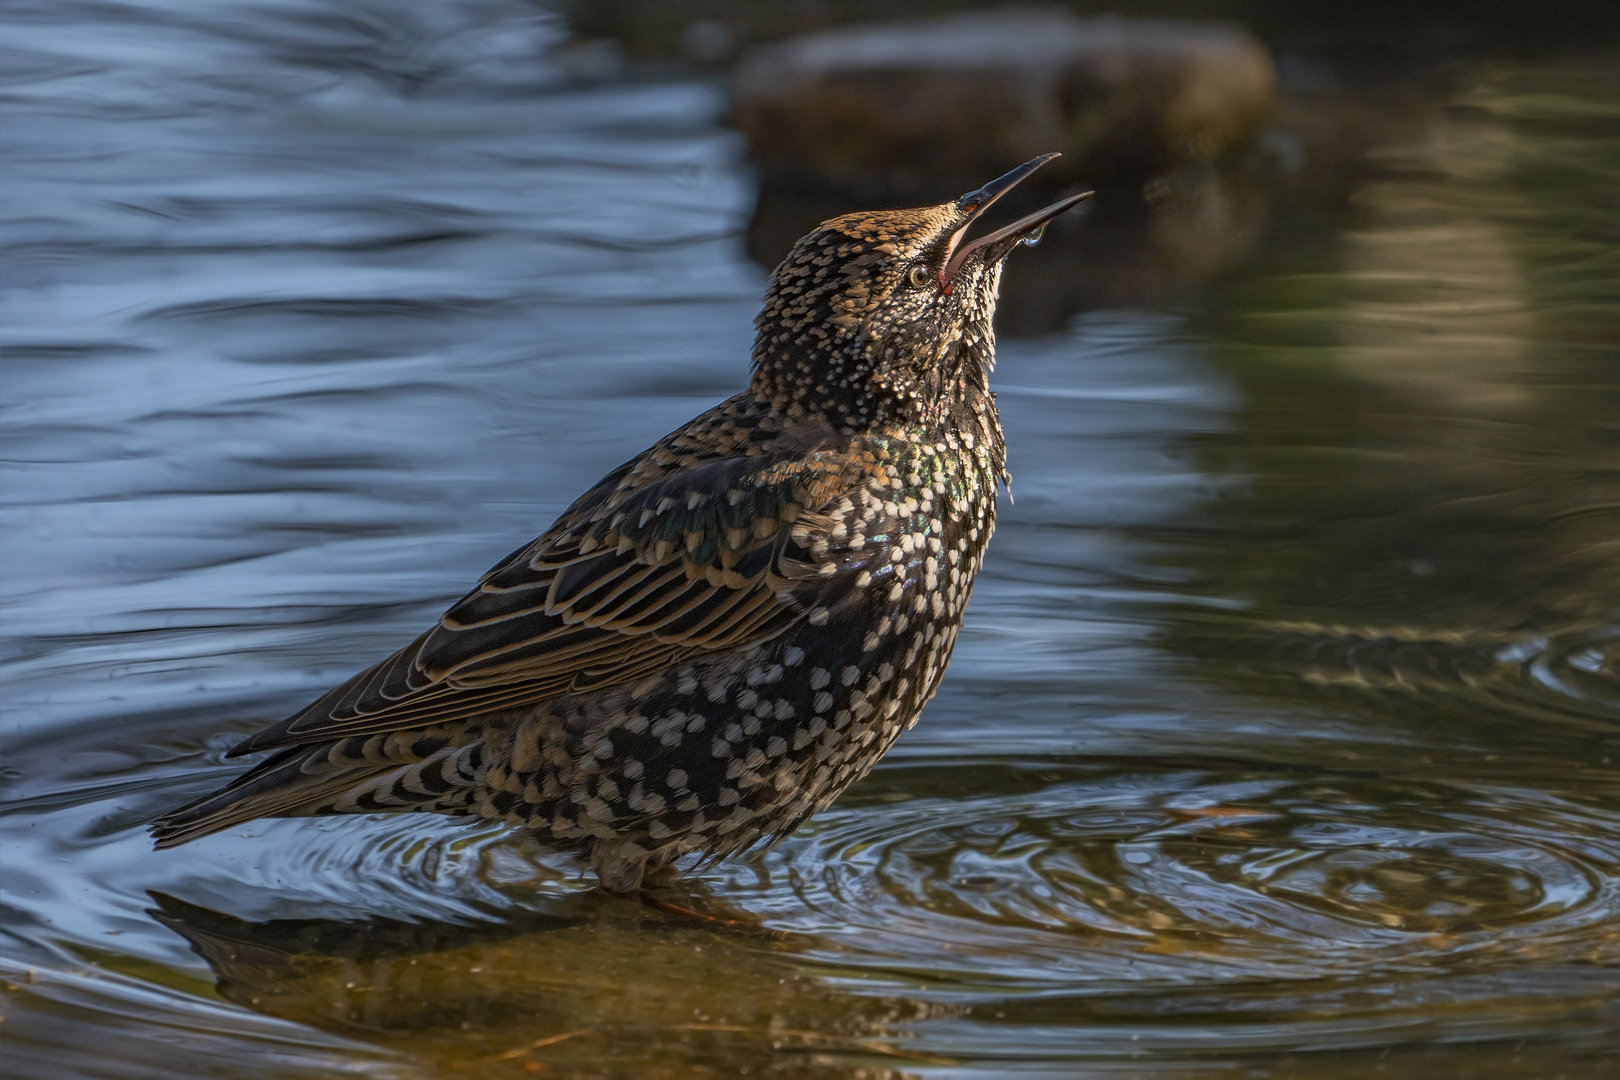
{"x": 360, "y": 775}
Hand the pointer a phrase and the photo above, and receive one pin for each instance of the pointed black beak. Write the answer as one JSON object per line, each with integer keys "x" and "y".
{"x": 975, "y": 203}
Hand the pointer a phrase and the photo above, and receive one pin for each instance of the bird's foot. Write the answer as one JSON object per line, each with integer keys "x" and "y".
{"x": 714, "y": 922}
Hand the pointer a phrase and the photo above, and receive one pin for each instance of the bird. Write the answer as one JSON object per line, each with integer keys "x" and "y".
{"x": 729, "y": 629}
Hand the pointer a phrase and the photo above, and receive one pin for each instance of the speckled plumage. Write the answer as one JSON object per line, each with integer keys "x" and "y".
{"x": 732, "y": 627}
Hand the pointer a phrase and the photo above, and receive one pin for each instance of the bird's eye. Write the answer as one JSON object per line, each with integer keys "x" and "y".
{"x": 919, "y": 275}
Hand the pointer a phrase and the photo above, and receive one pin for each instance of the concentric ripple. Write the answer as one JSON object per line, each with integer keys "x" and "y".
{"x": 1057, "y": 876}
{"x": 1585, "y": 668}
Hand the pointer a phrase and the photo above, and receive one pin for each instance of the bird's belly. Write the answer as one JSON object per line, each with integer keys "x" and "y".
{"x": 715, "y": 754}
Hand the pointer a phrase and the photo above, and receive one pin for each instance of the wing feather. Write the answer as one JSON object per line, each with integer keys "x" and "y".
{"x": 666, "y": 559}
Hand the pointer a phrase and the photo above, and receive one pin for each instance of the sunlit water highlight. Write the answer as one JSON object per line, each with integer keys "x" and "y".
{"x": 1284, "y": 733}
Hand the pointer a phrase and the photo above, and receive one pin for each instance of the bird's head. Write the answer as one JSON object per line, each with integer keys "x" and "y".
{"x": 884, "y": 317}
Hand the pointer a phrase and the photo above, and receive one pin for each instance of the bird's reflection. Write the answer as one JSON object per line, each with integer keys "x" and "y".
{"x": 584, "y": 984}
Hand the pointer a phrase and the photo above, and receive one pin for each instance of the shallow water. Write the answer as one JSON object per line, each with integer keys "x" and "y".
{"x": 1283, "y": 738}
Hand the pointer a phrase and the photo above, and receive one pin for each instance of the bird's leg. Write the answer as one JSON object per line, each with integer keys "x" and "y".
{"x": 619, "y": 865}
{"x": 660, "y": 865}
{"x": 624, "y": 868}
{"x": 744, "y": 923}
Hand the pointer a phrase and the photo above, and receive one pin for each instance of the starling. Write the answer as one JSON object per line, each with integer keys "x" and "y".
{"x": 730, "y": 628}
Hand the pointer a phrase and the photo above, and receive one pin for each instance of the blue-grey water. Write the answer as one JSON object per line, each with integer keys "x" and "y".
{"x": 1283, "y": 738}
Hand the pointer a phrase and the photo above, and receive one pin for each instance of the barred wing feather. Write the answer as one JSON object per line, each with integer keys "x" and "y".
{"x": 639, "y": 574}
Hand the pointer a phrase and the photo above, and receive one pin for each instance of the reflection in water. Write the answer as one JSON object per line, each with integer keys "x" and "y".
{"x": 1283, "y": 737}
{"x": 590, "y": 986}
{"x": 1438, "y": 537}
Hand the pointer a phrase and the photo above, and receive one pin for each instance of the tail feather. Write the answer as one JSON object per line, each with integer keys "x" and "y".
{"x": 269, "y": 789}
{"x": 330, "y": 778}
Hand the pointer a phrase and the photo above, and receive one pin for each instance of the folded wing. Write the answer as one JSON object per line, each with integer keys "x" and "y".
{"x": 662, "y": 561}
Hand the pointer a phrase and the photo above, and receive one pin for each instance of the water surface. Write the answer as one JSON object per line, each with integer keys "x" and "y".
{"x": 1283, "y": 738}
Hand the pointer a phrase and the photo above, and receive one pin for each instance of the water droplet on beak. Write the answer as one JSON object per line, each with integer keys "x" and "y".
{"x": 1035, "y": 236}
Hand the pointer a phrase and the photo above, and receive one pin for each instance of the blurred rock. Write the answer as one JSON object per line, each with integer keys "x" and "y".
{"x": 1370, "y": 41}
{"x": 706, "y": 41}
{"x": 906, "y": 107}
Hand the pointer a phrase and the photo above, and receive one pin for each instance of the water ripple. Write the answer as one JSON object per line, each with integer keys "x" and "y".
{"x": 1092, "y": 876}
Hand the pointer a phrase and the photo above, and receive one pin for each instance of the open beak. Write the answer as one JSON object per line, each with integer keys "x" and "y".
{"x": 975, "y": 203}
